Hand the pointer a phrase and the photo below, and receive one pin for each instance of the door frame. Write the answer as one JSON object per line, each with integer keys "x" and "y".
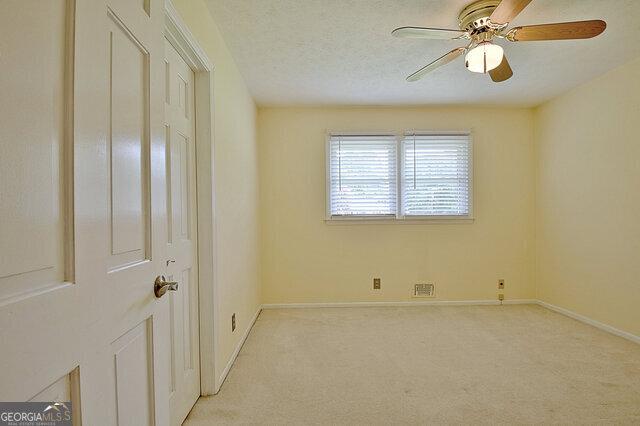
{"x": 179, "y": 35}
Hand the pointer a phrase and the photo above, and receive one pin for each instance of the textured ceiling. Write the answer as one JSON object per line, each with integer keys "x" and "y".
{"x": 329, "y": 52}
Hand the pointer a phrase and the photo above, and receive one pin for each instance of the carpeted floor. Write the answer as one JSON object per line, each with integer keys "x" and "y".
{"x": 424, "y": 365}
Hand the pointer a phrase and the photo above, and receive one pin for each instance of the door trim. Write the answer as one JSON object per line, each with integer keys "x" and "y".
{"x": 190, "y": 50}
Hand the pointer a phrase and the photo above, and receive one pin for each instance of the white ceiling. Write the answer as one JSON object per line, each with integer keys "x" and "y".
{"x": 328, "y": 52}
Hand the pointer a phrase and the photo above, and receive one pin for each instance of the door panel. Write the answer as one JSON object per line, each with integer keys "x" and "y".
{"x": 187, "y": 329}
{"x": 134, "y": 377}
{"x": 32, "y": 148}
{"x": 129, "y": 75}
{"x": 183, "y": 184}
{"x": 181, "y": 241}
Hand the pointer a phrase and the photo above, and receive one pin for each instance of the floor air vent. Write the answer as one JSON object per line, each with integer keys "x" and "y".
{"x": 424, "y": 290}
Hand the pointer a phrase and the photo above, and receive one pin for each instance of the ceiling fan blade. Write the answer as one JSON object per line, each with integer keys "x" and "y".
{"x": 502, "y": 72}
{"x": 507, "y": 10}
{"x": 443, "y": 60}
{"x": 560, "y": 31}
{"x": 431, "y": 33}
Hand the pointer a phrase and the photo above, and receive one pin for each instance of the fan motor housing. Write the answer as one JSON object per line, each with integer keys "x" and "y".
{"x": 475, "y": 16}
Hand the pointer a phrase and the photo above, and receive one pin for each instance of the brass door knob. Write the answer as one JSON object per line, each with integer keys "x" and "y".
{"x": 161, "y": 286}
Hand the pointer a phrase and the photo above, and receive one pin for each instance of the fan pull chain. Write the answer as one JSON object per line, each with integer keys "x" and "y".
{"x": 484, "y": 58}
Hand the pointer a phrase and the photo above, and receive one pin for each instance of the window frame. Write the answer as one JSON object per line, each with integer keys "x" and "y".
{"x": 359, "y": 218}
{"x": 399, "y": 217}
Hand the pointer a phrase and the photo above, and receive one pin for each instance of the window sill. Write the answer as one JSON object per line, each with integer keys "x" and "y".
{"x": 393, "y": 221}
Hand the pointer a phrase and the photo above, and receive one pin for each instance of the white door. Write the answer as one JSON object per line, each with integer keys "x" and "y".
{"x": 82, "y": 205}
{"x": 181, "y": 263}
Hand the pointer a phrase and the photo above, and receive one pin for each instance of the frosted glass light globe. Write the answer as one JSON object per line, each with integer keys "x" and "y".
{"x": 484, "y": 57}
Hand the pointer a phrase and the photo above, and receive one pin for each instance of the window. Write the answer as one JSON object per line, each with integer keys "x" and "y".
{"x": 363, "y": 176}
{"x": 433, "y": 178}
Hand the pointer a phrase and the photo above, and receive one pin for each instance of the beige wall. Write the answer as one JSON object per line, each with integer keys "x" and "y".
{"x": 586, "y": 162}
{"x": 588, "y": 199}
{"x": 236, "y": 185}
{"x": 306, "y": 260}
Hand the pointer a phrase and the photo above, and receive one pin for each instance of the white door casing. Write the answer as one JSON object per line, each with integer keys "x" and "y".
{"x": 83, "y": 207}
{"x": 182, "y": 265}
{"x": 194, "y": 55}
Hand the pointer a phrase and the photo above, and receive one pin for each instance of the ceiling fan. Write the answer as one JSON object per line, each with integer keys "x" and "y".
{"x": 485, "y": 20}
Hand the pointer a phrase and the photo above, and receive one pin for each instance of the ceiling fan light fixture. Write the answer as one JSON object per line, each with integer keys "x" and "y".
{"x": 484, "y": 57}
{"x": 483, "y": 21}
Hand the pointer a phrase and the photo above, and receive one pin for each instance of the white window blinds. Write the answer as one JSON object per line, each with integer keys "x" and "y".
{"x": 436, "y": 175}
{"x": 363, "y": 175}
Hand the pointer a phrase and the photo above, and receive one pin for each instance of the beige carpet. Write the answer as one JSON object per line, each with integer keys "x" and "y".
{"x": 518, "y": 364}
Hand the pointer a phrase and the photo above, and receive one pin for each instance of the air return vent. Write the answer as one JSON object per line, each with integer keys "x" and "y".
{"x": 424, "y": 290}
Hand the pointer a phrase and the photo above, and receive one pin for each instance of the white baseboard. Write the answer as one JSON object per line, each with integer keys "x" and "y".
{"x": 520, "y": 302}
{"x": 235, "y": 353}
{"x": 592, "y": 322}
{"x": 398, "y": 304}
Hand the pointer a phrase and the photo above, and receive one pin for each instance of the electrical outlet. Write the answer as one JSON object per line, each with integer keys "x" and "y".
{"x": 233, "y": 322}
{"x": 376, "y": 283}
{"x": 500, "y": 283}
{"x": 501, "y": 297}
